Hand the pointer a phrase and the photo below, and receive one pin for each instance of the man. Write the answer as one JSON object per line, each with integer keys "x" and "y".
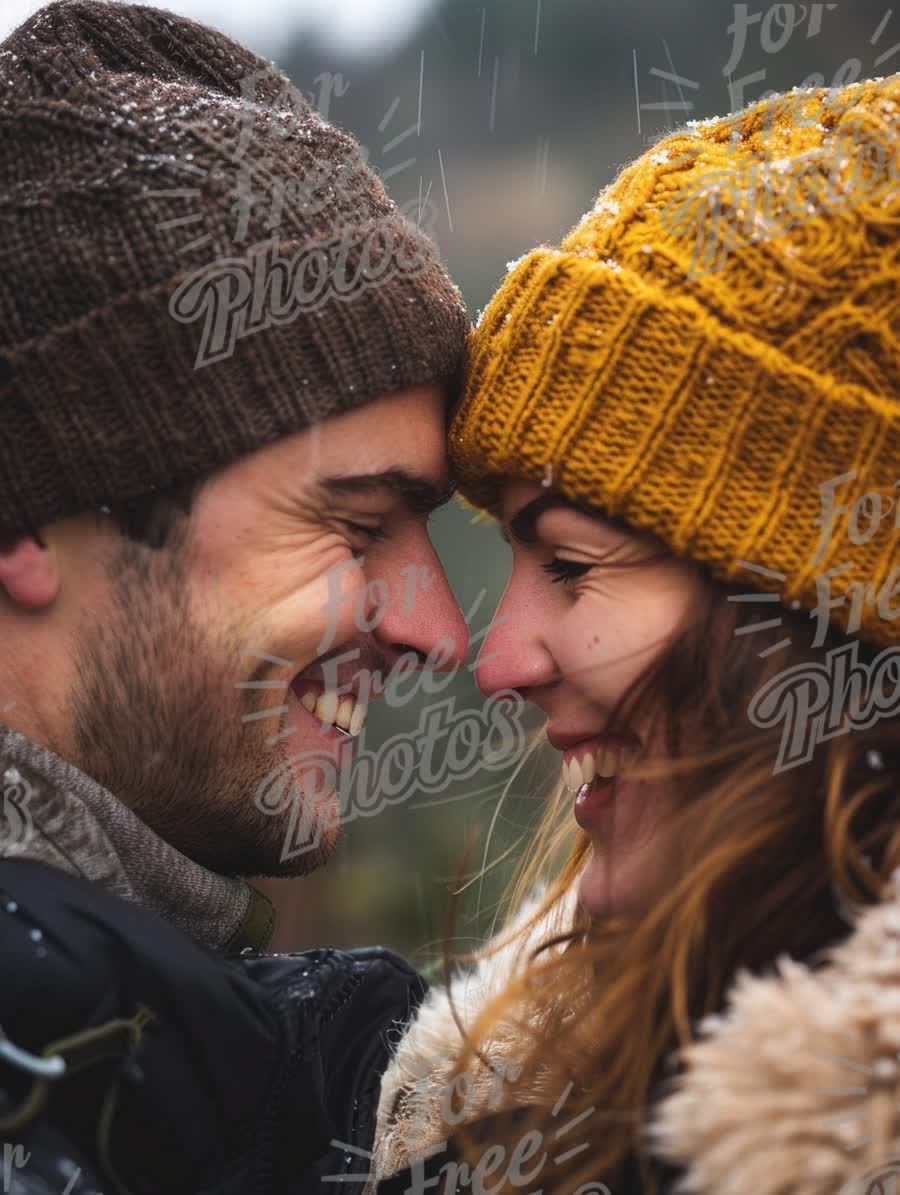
{"x": 194, "y": 522}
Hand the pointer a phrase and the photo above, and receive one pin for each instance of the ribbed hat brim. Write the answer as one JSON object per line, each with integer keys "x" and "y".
{"x": 642, "y": 405}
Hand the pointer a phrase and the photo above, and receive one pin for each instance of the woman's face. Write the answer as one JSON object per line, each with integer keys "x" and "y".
{"x": 571, "y": 635}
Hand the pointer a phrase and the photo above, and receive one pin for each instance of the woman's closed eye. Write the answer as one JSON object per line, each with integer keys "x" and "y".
{"x": 566, "y": 570}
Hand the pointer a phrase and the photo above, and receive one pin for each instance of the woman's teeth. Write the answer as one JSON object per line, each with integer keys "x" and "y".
{"x": 346, "y": 713}
{"x": 602, "y": 763}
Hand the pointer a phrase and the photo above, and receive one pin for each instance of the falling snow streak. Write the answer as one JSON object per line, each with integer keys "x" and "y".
{"x": 679, "y": 80}
{"x": 424, "y": 202}
{"x": 637, "y": 94}
{"x": 446, "y": 196}
{"x": 421, "y": 82}
{"x": 493, "y": 119}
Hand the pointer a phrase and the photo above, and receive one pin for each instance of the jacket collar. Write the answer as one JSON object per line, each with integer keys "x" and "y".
{"x": 51, "y": 812}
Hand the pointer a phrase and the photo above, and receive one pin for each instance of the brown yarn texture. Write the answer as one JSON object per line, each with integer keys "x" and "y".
{"x": 125, "y": 132}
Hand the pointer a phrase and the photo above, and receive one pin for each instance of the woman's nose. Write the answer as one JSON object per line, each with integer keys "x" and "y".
{"x": 513, "y": 655}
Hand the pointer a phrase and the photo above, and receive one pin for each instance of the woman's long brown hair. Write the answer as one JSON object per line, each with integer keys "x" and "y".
{"x": 760, "y": 863}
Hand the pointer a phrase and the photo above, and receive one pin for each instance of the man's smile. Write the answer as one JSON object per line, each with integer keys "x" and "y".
{"x": 346, "y": 712}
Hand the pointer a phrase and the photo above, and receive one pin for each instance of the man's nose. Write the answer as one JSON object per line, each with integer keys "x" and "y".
{"x": 421, "y": 614}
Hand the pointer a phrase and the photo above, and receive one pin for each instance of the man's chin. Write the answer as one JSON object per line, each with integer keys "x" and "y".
{"x": 285, "y": 858}
{"x": 296, "y": 856}
{"x": 243, "y": 840}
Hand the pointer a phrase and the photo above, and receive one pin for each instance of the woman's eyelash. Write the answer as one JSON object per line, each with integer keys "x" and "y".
{"x": 566, "y": 570}
{"x": 371, "y": 533}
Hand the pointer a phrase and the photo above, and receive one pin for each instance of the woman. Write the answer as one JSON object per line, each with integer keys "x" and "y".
{"x": 686, "y": 421}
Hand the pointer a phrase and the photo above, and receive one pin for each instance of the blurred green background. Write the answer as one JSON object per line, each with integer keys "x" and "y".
{"x": 508, "y": 116}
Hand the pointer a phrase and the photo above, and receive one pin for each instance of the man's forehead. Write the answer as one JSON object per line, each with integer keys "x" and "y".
{"x": 395, "y": 443}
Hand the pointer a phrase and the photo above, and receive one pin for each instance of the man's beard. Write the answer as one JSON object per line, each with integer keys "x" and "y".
{"x": 156, "y": 719}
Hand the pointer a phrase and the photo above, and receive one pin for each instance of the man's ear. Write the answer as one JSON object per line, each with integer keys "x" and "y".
{"x": 29, "y": 573}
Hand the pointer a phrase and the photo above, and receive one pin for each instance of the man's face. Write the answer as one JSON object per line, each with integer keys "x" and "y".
{"x": 305, "y": 564}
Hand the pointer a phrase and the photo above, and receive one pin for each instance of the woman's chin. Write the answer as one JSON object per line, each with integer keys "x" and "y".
{"x": 628, "y": 851}
{"x": 614, "y": 885}
{"x": 595, "y": 893}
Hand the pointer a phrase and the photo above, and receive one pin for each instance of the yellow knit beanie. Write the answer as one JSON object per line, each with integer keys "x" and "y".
{"x": 713, "y": 354}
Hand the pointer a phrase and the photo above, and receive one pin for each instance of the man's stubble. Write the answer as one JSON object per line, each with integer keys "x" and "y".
{"x": 157, "y": 720}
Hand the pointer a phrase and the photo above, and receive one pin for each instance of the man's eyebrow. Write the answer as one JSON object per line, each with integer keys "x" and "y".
{"x": 418, "y": 494}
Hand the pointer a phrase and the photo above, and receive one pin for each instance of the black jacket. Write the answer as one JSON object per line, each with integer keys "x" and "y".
{"x": 184, "y": 1072}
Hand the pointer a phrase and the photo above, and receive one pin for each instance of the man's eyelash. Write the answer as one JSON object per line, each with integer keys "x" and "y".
{"x": 566, "y": 570}
{"x": 374, "y": 534}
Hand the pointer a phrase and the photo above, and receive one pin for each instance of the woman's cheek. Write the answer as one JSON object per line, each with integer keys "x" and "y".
{"x": 582, "y": 651}
{"x": 600, "y": 653}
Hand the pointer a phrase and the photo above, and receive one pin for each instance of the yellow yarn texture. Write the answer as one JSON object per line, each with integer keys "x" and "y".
{"x": 713, "y": 343}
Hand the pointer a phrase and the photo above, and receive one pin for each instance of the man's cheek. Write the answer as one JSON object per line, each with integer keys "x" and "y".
{"x": 323, "y": 613}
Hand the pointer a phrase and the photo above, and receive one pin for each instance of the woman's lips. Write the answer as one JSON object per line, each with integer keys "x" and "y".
{"x": 590, "y": 767}
{"x": 597, "y": 758}
{"x": 592, "y": 801}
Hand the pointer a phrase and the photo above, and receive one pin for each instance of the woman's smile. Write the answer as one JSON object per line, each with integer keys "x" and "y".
{"x": 574, "y": 641}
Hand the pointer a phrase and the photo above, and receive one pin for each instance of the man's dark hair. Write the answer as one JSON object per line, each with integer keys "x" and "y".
{"x": 151, "y": 518}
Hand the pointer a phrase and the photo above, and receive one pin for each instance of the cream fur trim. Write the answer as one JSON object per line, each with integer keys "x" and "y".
{"x": 796, "y": 1087}
{"x": 415, "y": 1087}
{"x": 794, "y": 1090}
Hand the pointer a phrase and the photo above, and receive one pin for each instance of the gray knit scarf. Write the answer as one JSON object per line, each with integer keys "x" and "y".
{"x": 53, "y": 813}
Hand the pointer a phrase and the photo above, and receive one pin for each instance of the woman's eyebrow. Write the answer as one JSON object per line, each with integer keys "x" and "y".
{"x": 522, "y": 525}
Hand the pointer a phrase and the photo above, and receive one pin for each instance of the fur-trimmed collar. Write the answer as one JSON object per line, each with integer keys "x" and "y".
{"x": 414, "y": 1087}
{"x": 794, "y": 1088}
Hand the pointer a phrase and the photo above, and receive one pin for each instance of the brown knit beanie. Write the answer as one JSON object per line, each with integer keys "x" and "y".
{"x": 194, "y": 263}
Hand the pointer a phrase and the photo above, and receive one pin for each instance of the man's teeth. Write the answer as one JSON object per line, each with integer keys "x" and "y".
{"x": 345, "y": 712}
{"x": 602, "y": 763}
